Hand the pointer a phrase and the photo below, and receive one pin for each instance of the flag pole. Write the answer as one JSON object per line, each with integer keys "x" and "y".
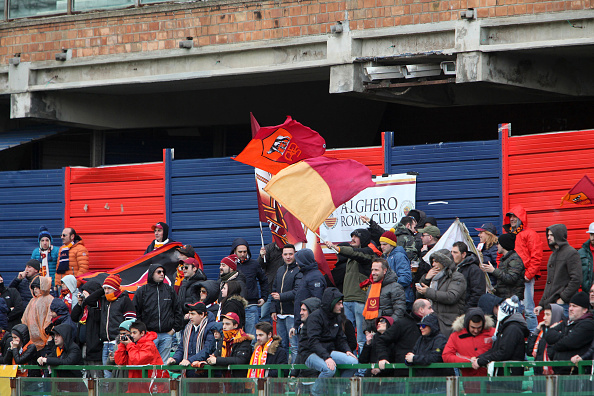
{"x": 262, "y": 238}
{"x": 323, "y": 241}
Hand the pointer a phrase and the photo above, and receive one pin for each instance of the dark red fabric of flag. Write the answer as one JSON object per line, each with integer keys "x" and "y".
{"x": 581, "y": 194}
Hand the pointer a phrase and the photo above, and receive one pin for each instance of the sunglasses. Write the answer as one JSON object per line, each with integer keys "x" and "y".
{"x": 65, "y": 235}
{"x": 158, "y": 271}
{"x": 186, "y": 267}
{"x": 382, "y": 321}
{"x": 203, "y": 291}
{"x": 422, "y": 326}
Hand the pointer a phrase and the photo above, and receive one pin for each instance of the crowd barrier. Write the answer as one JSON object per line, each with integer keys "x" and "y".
{"x": 549, "y": 385}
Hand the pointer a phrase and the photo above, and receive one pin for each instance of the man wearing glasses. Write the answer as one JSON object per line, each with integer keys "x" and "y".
{"x": 192, "y": 274}
{"x": 157, "y": 307}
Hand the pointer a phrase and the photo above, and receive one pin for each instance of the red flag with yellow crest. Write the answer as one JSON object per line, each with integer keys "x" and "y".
{"x": 581, "y": 194}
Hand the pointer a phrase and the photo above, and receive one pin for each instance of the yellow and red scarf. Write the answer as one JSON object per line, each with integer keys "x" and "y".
{"x": 231, "y": 337}
{"x": 371, "y": 310}
{"x": 259, "y": 358}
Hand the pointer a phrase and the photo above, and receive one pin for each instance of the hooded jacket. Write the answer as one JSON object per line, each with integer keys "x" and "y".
{"x": 400, "y": 264}
{"x": 254, "y": 275}
{"x": 151, "y": 246}
{"x": 399, "y": 340}
{"x": 428, "y": 349}
{"x": 509, "y": 344}
{"x": 52, "y": 252}
{"x": 113, "y": 313}
{"x": 462, "y": 345}
{"x": 528, "y": 243}
{"x": 406, "y": 239}
{"x": 72, "y": 298}
{"x": 510, "y": 276}
{"x": 274, "y": 260}
{"x": 392, "y": 301}
{"x": 212, "y": 294}
{"x": 89, "y": 332}
{"x": 235, "y": 304}
{"x": 70, "y": 354}
{"x": 37, "y": 314}
{"x": 156, "y": 305}
{"x": 3, "y": 314}
{"x": 570, "y": 338}
{"x": 537, "y": 338}
{"x": 28, "y": 356}
{"x": 476, "y": 283}
{"x": 323, "y": 329}
{"x": 370, "y": 352}
{"x": 585, "y": 253}
{"x": 448, "y": 296}
{"x": 184, "y": 295}
{"x": 14, "y": 303}
{"x": 312, "y": 284}
{"x": 286, "y": 281}
{"x": 78, "y": 260}
{"x": 358, "y": 267}
{"x": 61, "y": 309}
{"x": 564, "y": 269}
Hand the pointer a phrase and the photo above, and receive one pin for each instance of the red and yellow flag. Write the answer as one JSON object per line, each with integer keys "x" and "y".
{"x": 581, "y": 194}
{"x": 274, "y": 148}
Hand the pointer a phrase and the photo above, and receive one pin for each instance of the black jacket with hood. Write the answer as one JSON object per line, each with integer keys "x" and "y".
{"x": 15, "y": 304}
{"x": 184, "y": 295}
{"x": 151, "y": 247}
{"x": 156, "y": 305}
{"x": 70, "y": 354}
{"x": 89, "y": 333}
{"x": 212, "y": 294}
{"x": 570, "y": 338}
{"x": 322, "y": 332}
{"x": 564, "y": 269}
{"x": 254, "y": 275}
{"x": 476, "y": 282}
{"x": 428, "y": 349}
{"x": 29, "y": 356}
{"x": 399, "y": 340}
{"x": 113, "y": 313}
{"x": 556, "y": 316}
{"x": 312, "y": 284}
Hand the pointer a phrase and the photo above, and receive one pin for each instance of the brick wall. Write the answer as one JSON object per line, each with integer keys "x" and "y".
{"x": 160, "y": 27}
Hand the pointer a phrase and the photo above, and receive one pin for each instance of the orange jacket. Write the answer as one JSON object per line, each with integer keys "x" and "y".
{"x": 79, "y": 261}
{"x": 528, "y": 244}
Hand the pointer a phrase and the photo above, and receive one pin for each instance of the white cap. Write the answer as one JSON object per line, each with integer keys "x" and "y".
{"x": 591, "y": 229}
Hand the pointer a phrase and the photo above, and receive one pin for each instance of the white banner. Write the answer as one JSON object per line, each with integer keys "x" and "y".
{"x": 386, "y": 203}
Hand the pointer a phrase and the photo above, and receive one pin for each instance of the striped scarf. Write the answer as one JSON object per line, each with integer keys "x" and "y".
{"x": 64, "y": 259}
{"x": 199, "y": 337}
{"x": 259, "y": 358}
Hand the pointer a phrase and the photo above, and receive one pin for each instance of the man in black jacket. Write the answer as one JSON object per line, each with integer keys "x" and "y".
{"x": 402, "y": 336}
{"x": 468, "y": 264}
{"x": 63, "y": 352}
{"x": 323, "y": 344}
{"x": 254, "y": 276}
{"x": 157, "y": 307}
{"x": 14, "y": 302}
{"x": 236, "y": 348}
{"x": 192, "y": 274}
{"x": 270, "y": 259}
{"x": 161, "y": 231}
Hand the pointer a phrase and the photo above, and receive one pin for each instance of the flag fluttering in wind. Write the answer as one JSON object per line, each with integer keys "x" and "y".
{"x": 274, "y": 148}
{"x": 457, "y": 232}
{"x": 581, "y": 194}
{"x": 313, "y": 188}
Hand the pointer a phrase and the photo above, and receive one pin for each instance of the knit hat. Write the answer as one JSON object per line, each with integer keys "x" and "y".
{"x": 113, "y": 281}
{"x": 507, "y": 241}
{"x": 33, "y": 263}
{"x": 431, "y": 230}
{"x": 581, "y": 299}
{"x": 442, "y": 256}
{"x": 231, "y": 261}
{"x": 389, "y": 237}
{"x": 508, "y": 308}
{"x": 126, "y": 324}
{"x": 43, "y": 232}
{"x": 199, "y": 307}
{"x": 232, "y": 316}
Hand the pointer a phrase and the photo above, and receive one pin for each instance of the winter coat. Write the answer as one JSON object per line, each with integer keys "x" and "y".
{"x": 490, "y": 254}
{"x": 241, "y": 352}
{"x": 476, "y": 282}
{"x": 564, "y": 270}
{"x": 538, "y": 336}
{"x": 323, "y": 329}
{"x": 156, "y": 305}
{"x": 312, "y": 284}
{"x": 3, "y": 314}
{"x": 528, "y": 243}
{"x": 406, "y": 239}
{"x": 509, "y": 344}
{"x": 78, "y": 263}
{"x": 276, "y": 355}
{"x": 143, "y": 352}
{"x": 208, "y": 342}
{"x": 570, "y": 338}
{"x": 428, "y": 349}
{"x": 15, "y": 304}
{"x": 113, "y": 313}
{"x": 89, "y": 333}
{"x": 449, "y": 296}
{"x": 212, "y": 294}
{"x": 399, "y": 340}
{"x": 510, "y": 276}
{"x": 70, "y": 355}
{"x": 184, "y": 296}
{"x": 22, "y": 286}
{"x": 61, "y": 309}
{"x": 357, "y": 270}
{"x": 27, "y": 356}
{"x": 274, "y": 260}
{"x": 400, "y": 264}
{"x": 286, "y": 282}
{"x": 392, "y": 301}
{"x": 151, "y": 246}
{"x": 52, "y": 260}
{"x": 370, "y": 354}
{"x": 462, "y": 345}
{"x": 254, "y": 275}
{"x": 585, "y": 253}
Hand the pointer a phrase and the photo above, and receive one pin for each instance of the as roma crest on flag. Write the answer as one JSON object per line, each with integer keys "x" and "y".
{"x": 581, "y": 194}
{"x": 274, "y": 148}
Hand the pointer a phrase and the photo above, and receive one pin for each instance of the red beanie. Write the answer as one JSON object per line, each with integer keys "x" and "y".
{"x": 389, "y": 237}
{"x": 113, "y": 281}
{"x": 231, "y": 261}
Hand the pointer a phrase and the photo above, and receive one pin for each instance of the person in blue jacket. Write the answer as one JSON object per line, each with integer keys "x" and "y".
{"x": 46, "y": 253}
{"x": 399, "y": 263}
{"x": 312, "y": 284}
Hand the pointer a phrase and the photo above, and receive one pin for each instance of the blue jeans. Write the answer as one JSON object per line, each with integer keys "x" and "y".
{"x": 354, "y": 312}
{"x": 252, "y": 317}
{"x": 105, "y": 357}
{"x": 531, "y": 320}
{"x": 317, "y": 363}
{"x": 265, "y": 311}
{"x": 282, "y": 328}
{"x": 163, "y": 343}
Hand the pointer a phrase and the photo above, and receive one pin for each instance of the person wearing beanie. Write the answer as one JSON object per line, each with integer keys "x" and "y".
{"x": 228, "y": 272}
{"x": 571, "y": 338}
{"x": 73, "y": 258}
{"x": 359, "y": 256}
{"x": 564, "y": 270}
{"x": 446, "y": 288}
{"x": 510, "y": 272}
{"x": 22, "y": 281}
{"x": 115, "y": 306}
{"x": 46, "y": 253}
{"x": 161, "y": 231}
{"x": 399, "y": 264}
{"x": 510, "y": 333}
{"x": 312, "y": 284}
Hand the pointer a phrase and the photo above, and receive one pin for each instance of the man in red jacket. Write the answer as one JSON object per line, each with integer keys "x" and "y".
{"x": 471, "y": 336}
{"x": 529, "y": 247}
